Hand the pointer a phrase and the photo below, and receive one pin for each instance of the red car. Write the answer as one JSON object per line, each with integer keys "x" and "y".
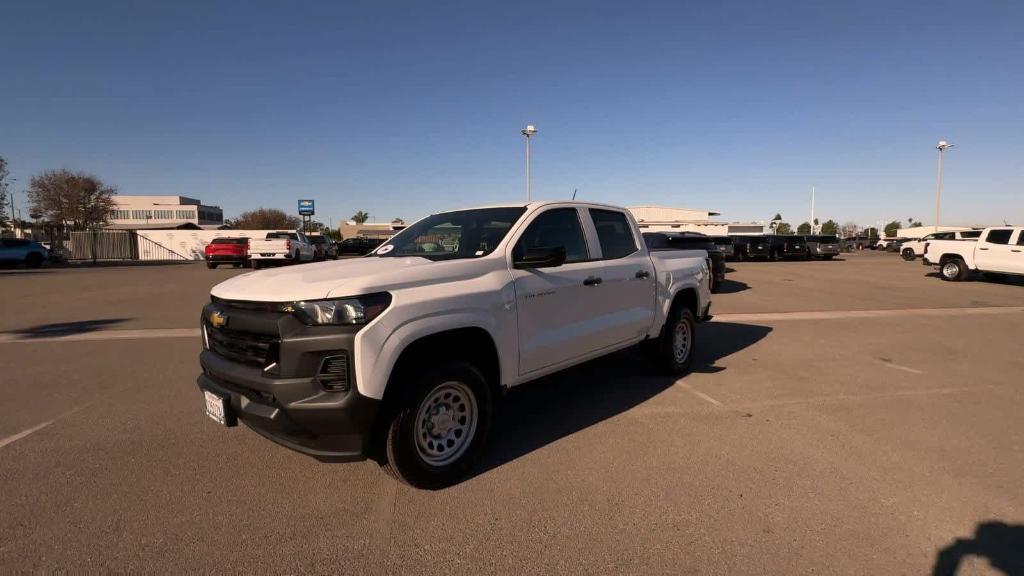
{"x": 234, "y": 251}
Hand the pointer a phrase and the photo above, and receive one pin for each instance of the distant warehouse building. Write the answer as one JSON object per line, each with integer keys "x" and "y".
{"x": 152, "y": 212}
{"x": 666, "y": 219}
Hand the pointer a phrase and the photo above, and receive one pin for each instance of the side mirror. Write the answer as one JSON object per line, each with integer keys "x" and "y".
{"x": 544, "y": 257}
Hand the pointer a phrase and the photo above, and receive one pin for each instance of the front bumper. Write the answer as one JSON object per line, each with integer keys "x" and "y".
{"x": 285, "y": 401}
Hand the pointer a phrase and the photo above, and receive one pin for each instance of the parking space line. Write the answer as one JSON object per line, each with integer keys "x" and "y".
{"x": 889, "y": 364}
{"x": 15, "y": 437}
{"x": 854, "y": 314}
{"x": 101, "y": 335}
{"x": 699, "y": 394}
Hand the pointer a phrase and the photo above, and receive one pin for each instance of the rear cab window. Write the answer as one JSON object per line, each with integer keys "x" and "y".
{"x": 613, "y": 233}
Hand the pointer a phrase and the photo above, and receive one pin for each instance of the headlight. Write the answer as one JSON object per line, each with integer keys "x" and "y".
{"x": 342, "y": 311}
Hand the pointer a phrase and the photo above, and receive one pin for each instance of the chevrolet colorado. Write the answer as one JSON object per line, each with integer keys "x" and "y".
{"x": 996, "y": 253}
{"x": 403, "y": 354}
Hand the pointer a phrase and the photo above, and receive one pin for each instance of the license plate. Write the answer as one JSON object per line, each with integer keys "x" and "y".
{"x": 216, "y": 407}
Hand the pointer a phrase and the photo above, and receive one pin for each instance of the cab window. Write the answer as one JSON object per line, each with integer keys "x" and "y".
{"x": 614, "y": 233}
{"x": 557, "y": 227}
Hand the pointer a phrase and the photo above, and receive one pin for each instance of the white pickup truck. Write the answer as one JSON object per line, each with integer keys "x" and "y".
{"x": 913, "y": 249}
{"x": 997, "y": 252}
{"x": 403, "y": 354}
{"x": 279, "y": 248}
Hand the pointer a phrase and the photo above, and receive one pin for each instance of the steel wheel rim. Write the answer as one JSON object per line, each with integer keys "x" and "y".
{"x": 681, "y": 341}
{"x": 446, "y": 422}
{"x": 950, "y": 270}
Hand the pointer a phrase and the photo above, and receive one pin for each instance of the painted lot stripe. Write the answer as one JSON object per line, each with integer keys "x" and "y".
{"x": 853, "y": 314}
{"x": 15, "y": 437}
{"x": 101, "y": 335}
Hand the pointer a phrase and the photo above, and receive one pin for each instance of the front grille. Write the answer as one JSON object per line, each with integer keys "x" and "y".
{"x": 242, "y": 347}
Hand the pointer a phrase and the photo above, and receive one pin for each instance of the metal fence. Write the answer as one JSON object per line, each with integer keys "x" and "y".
{"x": 117, "y": 245}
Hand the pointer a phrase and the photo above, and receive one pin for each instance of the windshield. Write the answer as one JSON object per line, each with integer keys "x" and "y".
{"x": 452, "y": 235}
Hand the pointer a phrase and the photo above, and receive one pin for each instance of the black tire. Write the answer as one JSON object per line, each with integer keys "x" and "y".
{"x": 953, "y": 269}
{"x": 452, "y": 387}
{"x": 211, "y": 265}
{"x": 256, "y": 265}
{"x": 665, "y": 351}
{"x": 33, "y": 260}
{"x": 773, "y": 256}
{"x": 236, "y": 265}
{"x": 908, "y": 254}
{"x": 829, "y": 256}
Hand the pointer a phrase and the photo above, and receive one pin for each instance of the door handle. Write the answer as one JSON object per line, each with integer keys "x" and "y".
{"x": 982, "y": 248}
{"x": 592, "y": 281}
{"x": 642, "y": 274}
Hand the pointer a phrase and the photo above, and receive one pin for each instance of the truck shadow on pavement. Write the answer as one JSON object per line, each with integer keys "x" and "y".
{"x": 1000, "y": 543}
{"x": 728, "y": 286}
{"x": 67, "y": 328}
{"x": 546, "y": 410}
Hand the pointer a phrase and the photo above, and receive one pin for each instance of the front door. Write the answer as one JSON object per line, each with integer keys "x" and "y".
{"x": 556, "y": 306}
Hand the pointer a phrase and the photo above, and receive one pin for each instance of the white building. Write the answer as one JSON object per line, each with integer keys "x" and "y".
{"x": 667, "y": 219}
{"x": 162, "y": 212}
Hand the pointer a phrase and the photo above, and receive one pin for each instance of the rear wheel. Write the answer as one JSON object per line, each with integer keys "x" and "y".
{"x": 34, "y": 260}
{"x": 908, "y": 254}
{"x": 438, "y": 433}
{"x": 675, "y": 347}
{"x": 953, "y": 269}
{"x": 211, "y": 265}
{"x": 256, "y": 264}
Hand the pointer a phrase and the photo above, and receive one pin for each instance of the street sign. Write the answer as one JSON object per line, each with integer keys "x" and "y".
{"x": 306, "y": 208}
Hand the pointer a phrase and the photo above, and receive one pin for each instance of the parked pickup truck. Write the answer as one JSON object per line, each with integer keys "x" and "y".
{"x": 784, "y": 246}
{"x": 403, "y": 355}
{"x": 234, "y": 251}
{"x": 913, "y": 249}
{"x": 752, "y": 247}
{"x": 826, "y": 247}
{"x": 997, "y": 252}
{"x": 280, "y": 248}
{"x": 694, "y": 241}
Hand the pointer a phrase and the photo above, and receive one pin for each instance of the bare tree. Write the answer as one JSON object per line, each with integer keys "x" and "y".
{"x": 71, "y": 200}
{"x": 4, "y": 187}
{"x": 266, "y": 219}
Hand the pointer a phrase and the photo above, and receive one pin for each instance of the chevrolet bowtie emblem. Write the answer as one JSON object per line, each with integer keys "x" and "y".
{"x": 218, "y": 319}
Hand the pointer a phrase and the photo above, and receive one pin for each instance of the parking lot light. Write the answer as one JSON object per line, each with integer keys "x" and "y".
{"x": 941, "y": 147}
{"x": 529, "y": 131}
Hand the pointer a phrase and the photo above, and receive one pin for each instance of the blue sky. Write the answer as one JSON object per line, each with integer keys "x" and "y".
{"x": 402, "y": 109}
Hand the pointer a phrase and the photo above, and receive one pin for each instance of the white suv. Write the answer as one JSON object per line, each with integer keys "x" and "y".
{"x": 915, "y": 248}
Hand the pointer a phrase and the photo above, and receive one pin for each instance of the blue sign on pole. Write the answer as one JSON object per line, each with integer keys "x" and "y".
{"x": 306, "y": 208}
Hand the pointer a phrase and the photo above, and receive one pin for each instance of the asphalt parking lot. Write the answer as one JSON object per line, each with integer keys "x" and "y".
{"x": 847, "y": 417}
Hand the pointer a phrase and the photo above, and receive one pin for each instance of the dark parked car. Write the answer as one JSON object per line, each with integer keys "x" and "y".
{"x": 788, "y": 247}
{"x": 690, "y": 241}
{"x": 23, "y": 251}
{"x": 324, "y": 247}
{"x": 726, "y": 245}
{"x": 751, "y": 247}
{"x": 826, "y": 247}
{"x": 359, "y": 246}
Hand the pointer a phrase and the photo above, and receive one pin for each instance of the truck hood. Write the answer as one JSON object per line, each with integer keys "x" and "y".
{"x": 350, "y": 277}
{"x": 316, "y": 281}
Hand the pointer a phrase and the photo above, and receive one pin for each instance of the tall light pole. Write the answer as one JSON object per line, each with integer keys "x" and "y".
{"x": 942, "y": 147}
{"x": 813, "y": 231}
{"x": 530, "y": 130}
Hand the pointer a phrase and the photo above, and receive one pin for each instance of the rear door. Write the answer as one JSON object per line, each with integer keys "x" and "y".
{"x": 557, "y": 307}
{"x": 628, "y": 278}
{"x": 994, "y": 252}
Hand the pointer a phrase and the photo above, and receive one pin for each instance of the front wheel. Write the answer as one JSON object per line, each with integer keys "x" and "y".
{"x": 676, "y": 345}
{"x": 908, "y": 254}
{"x": 34, "y": 260}
{"x": 953, "y": 270}
{"x": 438, "y": 433}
